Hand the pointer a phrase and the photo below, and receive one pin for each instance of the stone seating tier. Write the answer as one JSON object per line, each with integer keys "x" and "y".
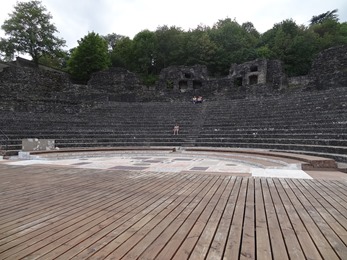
{"x": 327, "y": 142}
{"x": 337, "y": 153}
{"x": 311, "y": 122}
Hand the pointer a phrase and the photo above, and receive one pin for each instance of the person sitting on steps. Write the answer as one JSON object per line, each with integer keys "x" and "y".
{"x": 176, "y": 129}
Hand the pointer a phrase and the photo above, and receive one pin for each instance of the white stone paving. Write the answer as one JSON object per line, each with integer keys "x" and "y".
{"x": 154, "y": 163}
{"x": 280, "y": 173}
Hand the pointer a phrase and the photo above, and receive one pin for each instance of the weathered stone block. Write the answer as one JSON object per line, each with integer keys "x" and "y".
{"x": 329, "y": 68}
{"x": 34, "y": 144}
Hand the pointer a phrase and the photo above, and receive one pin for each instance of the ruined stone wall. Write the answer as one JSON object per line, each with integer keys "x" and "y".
{"x": 299, "y": 81}
{"x": 33, "y": 81}
{"x": 249, "y": 73}
{"x": 184, "y": 82}
{"x": 3, "y": 65}
{"x": 114, "y": 80}
{"x": 258, "y": 76}
{"x": 329, "y": 69}
{"x": 275, "y": 75}
{"x": 183, "y": 78}
{"x": 119, "y": 85}
{"x": 32, "y": 89}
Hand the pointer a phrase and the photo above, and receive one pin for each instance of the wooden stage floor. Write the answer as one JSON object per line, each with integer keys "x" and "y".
{"x": 54, "y": 212}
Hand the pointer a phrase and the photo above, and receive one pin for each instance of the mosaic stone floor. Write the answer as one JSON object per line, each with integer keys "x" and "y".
{"x": 166, "y": 163}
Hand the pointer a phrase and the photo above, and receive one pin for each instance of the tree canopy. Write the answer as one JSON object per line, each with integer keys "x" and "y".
{"x": 329, "y": 15}
{"x": 30, "y": 31}
{"x": 226, "y": 42}
{"x": 91, "y": 55}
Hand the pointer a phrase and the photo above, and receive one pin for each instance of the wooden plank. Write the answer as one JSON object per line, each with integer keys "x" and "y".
{"x": 306, "y": 243}
{"x": 204, "y": 234}
{"x": 321, "y": 217}
{"x": 16, "y": 193}
{"x": 189, "y": 221}
{"x": 232, "y": 248}
{"x": 330, "y": 188}
{"x": 98, "y": 215}
{"x": 292, "y": 243}
{"x": 27, "y": 211}
{"x": 279, "y": 250}
{"x": 263, "y": 245}
{"x": 41, "y": 192}
{"x": 93, "y": 236}
{"x": 219, "y": 242}
{"x": 329, "y": 203}
{"x": 85, "y": 221}
{"x": 208, "y": 235}
{"x": 33, "y": 220}
{"x": 189, "y": 203}
{"x": 152, "y": 236}
{"x": 87, "y": 215}
{"x": 76, "y": 202}
{"x": 321, "y": 243}
{"x": 248, "y": 234}
{"x": 341, "y": 185}
{"x": 146, "y": 215}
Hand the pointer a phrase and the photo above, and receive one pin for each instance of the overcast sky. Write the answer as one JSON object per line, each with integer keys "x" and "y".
{"x": 75, "y": 18}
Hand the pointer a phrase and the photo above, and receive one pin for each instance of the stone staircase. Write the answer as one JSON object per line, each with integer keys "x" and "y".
{"x": 198, "y": 122}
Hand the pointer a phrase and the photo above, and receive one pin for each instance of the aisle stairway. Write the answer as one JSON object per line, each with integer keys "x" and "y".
{"x": 198, "y": 121}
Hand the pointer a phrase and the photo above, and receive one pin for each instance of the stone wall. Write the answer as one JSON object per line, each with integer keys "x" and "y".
{"x": 300, "y": 81}
{"x": 258, "y": 77}
{"x": 183, "y": 78}
{"x": 114, "y": 80}
{"x": 249, "y": 73}
{"x": 275, "y": 75}
{"x": 119, "y": 85}
{"x": 3, "y": 65}
{"x": 15, "y": 79}
{"x": 33, "y": 89}
{"x": 329, "y": 69}
{"x": 183, "y": 82}
{"x": 39, "y": 89}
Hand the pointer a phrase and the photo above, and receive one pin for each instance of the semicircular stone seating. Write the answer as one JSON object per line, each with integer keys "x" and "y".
{"x": 312, "y": 122}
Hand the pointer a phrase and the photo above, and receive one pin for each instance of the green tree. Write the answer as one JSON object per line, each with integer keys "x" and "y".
{"x": 264, "y": 52}
{"x": 329, "y": 15}
{"x": 91, "y": 55}
{"x": 249, "y": 28}
{"x": 169, "y": 47}
{"x": 58, "y": 61}
{"x": 121, "y": 55}
{"x": 293, "y": 44}
{"x": 235, "y": 44}
{"x": 330, "y": 33}
{"x": 199, "y": 48}
{"x": 30, "y": 31}
{"x": 112, "y": 40}
{"x": 144, "y": 48}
